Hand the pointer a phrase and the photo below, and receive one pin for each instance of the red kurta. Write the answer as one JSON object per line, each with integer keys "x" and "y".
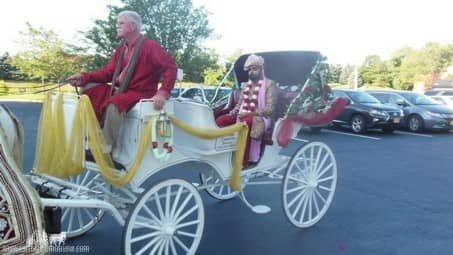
{"x": 153, "y": 63}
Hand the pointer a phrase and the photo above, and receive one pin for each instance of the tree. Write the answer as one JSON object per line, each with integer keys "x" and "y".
{"x": 6, "y": 69}
{"x": 334, "y": 73}
{"x": 46, "y": 57}
{"x": 374, "y": 72}
{"x": 175, "y": 24}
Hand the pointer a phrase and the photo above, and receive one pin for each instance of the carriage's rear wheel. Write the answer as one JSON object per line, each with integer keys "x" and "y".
{"x": 167, "y": 219}
{"x": 309, "y": 184}
{"x": 78, "y": 221}
{"x": 220, "y": 190}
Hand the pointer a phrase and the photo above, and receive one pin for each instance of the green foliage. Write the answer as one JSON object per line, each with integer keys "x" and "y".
{"x": 213, "y": 76}
{"x": 334, "y": 73}
{"x": 45, "y": 56}
{"x": 374, "y": 72}
{"x": 7, "y": 70}
{"x": 175, "y": 24}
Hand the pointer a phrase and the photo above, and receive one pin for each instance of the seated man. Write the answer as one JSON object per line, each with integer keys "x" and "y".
{"x": 134, "y": 71}
{"x": 255, "y": 107}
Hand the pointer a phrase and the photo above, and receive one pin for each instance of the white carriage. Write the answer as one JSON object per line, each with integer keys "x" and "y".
{"x": 167, "y": 217}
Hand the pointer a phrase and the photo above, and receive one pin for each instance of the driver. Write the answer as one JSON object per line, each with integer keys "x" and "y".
{"x": 255, "y": 107}
{"x": 134, "y": 70}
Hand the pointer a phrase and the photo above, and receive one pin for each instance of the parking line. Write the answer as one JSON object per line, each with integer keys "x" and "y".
{"x": 342, "y": 133}
{"x": 415, "y": 134}
{"x": 302, "y": 140}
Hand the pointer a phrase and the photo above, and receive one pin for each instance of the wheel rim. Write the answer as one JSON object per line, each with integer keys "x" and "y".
{"x": 77, "y": 221}
{"x": 169, "y": 218}
{"x": 221, "y": 192}
{"x": 414, "y": 124}
{"x": 309, "y": 184}
{"x": 357, "y": 124}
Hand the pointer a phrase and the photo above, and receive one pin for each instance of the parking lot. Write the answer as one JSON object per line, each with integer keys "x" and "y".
{"x": 394, "y": 196}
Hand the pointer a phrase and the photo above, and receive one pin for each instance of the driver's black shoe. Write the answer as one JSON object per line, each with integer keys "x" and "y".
{"x": 118, "y": 165}
{"x": 89, "y": 156}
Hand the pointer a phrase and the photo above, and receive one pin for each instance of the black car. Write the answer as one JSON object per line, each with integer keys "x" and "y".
{"x": 365, "y": 111}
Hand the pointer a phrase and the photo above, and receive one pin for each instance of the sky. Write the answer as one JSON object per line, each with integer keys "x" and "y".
{"x": 346, "y": 31}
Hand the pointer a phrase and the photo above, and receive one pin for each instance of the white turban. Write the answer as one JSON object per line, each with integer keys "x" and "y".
{"x": 253, "y": 60}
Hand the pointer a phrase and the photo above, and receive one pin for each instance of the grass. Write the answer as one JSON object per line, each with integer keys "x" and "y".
{"x": 36, "y": 92}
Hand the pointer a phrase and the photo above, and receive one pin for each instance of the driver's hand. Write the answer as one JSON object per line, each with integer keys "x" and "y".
{"x": 75, "y": 79}
{"x": 159, "y": 101}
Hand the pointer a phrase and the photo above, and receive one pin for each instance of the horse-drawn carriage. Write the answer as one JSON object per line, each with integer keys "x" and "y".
{"x": 168, "y": 216}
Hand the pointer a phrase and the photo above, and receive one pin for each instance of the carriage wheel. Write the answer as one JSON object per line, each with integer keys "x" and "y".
{"x": 222, "y": 192}
{"x": 78, "y": 221}
{"x": 309, "y": 184}
{"x": 167, "y": 219}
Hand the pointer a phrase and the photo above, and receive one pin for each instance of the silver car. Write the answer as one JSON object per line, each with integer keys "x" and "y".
{"x": 420, "y": 112}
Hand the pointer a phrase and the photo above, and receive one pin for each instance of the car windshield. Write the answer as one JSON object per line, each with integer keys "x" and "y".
{"x": 419, "y": 99}
{"x": 211, "y": 92}
{"x": 362, "y": 97}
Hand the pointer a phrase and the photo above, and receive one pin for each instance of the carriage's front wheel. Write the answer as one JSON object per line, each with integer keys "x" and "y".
{"x": 77, "y": 221}
{"x": 218, "y": 188}
{"x": 309, "y": 184}
{"x": 167, "y": 219}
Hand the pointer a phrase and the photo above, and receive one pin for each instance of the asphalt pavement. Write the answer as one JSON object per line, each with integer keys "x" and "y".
{"x": 394, "y": 196}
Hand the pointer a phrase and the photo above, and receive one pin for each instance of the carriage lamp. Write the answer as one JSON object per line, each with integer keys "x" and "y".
{"x": 163, "y": 125}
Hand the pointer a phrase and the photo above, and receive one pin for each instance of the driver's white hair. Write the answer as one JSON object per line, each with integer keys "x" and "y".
{"x": 134, "y": 17}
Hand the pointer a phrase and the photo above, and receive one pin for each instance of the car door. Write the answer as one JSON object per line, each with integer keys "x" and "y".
{"x": 346, "y": 114}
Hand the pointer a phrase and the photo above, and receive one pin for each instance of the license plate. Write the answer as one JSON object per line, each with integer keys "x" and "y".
{"x": 397, "y": 120}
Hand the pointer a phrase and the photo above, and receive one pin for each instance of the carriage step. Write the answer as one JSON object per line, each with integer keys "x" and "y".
{"x": 51, "y": 187}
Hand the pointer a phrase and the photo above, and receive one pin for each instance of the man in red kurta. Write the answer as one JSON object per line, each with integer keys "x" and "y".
{"x": 134, "y": 70}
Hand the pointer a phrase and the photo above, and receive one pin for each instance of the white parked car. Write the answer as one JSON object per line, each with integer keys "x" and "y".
{"x": 443, "y": 96}
{"x": 205, "y": 94}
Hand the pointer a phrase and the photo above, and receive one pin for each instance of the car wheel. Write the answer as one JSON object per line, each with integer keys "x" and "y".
{"x": 415, "y": 123}
{"x": 358, "y": 124}
{"x": 388, "y": 130}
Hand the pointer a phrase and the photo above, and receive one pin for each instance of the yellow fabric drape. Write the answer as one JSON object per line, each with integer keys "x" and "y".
{"x": 61, "y": 158}
{"x": 235, "y": 181}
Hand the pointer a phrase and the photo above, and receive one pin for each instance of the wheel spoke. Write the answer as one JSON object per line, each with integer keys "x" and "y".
{"x": 325, "y": 188}
{"x": 79, "y": 217}
{"x": 71, "y": 218}
{"x": 65, "y": 214}
{"x": 296, "y": 198}
{"x": 143, "y": 237}
{"x": 167, "y": 201}
{"x": 183, "y": 205}
{"x": 146, "y": 247}
{"x": 159, "y": 206}
{"x": 145, "y": 225}
{"x": 182, "y": 217}
{"x": 320, "y": 196}
{"x": 325, "y": 170}
{"x": 315, "y": 201}
{"x": 303, "y": 212}
{"x": 181, "y": 244}
{"x": 326, "y": 179}
{"x": 175, "y": 203}
{"x": 299, "y": 204}
{"x": 172, "y": 247}
{"x": 190, "y": 223}
{"x": 87, "y": 211}
{"x": 320, "y": 165}
{"x": 85, "y": 178}
{"x": 310, "y": 209}
{"x": 183, "y": 233}
{"x": 221, "y": 189}
{"x": 157, "y": 246}
{"x": 150, "y": 213}
{"x": 298, "y": 180}
{"x": 315, "y": 165}
{"x": 299, "y": 187}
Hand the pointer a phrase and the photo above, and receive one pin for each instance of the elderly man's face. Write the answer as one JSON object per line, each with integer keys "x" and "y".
{"x": 254, "y": 72}
{"x": 124, "y": 26}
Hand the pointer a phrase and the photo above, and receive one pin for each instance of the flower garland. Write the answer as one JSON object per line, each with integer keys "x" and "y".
{"x": 167, "y": 148}
{"x": 250, "y": 96}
